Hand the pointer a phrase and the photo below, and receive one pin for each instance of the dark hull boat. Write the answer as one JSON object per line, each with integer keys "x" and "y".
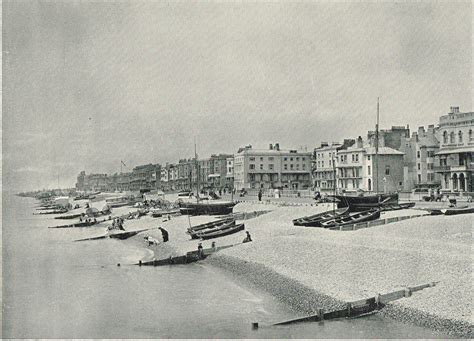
{"x": 223, "y": 231}
{"x": 315, "y": 220}
{"x": 52, "y": 212}
{"x": 211, "y": 224}
{"x": 367, "y": 202}
{"x": 80, "y": 224}
{"x": 352, "y": 218}
{"x": 394, "y": 207}
{"x": 200, "y": 208}
{"x": 72, "y": 216}
{"x": 458, "y": 210}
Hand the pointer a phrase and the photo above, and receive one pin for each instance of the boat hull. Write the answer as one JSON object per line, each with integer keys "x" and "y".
{"x": 363, "y": 203}
{"x": 315, "y": 220}
{"x": 352, "y": 218}
{"x": 224, "y": 232}
{"x": 206, "y": 208}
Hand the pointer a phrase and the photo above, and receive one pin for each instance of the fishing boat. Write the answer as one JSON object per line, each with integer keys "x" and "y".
{"x": 352, "y": 218}
{"x": 71, "y": 216}
{"x": 458, "y": 210}
{"x": 60, "y": 211}
{"x": 208, "y": 208}
{"x": 365, "y": 202}
{"x": 117, "y": 202}
{"x": 395, "y": 207}
{"x": 315, "y": 220}
{"x": 116, "y": 235}
{"x": 196, "y": 231}
{"x": 224, "y": 230}
{"x": 80, "y": 224}
{"x": 159, "y": 212}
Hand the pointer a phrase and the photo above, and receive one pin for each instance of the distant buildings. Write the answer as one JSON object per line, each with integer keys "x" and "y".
{"x": 272, "y": 168}
{"x": 456, "y": 153}
{"x": 440, "y": 156}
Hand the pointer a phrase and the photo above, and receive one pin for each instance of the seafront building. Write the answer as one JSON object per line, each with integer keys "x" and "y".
{"x": 361, "y": 167}
{"x": 419, "y": 160}
{"x": 272, "y": 168}
{"x": 456, "y": 153}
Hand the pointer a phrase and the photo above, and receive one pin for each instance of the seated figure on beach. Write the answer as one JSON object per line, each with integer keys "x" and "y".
{"x": 248, "y": 238}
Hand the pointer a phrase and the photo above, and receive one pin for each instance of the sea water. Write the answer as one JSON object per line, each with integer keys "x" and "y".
{"x": 56, "y": 288}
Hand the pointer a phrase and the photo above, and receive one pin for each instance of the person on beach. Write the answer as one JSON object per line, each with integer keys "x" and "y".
{"x": 260, "y": 195}
{"x": 164, "y": 234}
{"x": 200, "y": 251}
{"x": 248, "y": 238}
{"x": 213, "y": 246}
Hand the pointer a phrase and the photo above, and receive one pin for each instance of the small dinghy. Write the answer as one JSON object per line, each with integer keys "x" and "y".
{"x": 224, "y": 230}
{"x": 315, "y": 220}
{"x": 458, "y": 210}
{"x": 352, "y": 218}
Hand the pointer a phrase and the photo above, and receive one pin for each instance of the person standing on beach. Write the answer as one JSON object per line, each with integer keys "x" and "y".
{"x": 200, "y": 251}
{"x": 164, "y": 234}
{"x": 260, "y": 195}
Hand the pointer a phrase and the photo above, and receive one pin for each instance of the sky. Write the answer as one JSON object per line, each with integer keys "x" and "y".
{"x": 87, "y": 84}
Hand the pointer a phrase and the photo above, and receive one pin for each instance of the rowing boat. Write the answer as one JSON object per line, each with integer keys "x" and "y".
{"x": 80, "y": 224}
{"x": 210, "y": 224}
{"x": 352, "y": 218}
{"x": 196, "y": 234}
{"x": 394, "y": 207}
{"x": 458, "y": 210}
{"x": 117, "y": 235}
{"x": 316, "y": 219}
{"x": 230, "y": 229}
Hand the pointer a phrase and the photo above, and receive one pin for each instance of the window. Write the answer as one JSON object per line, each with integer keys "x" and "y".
{"x": 418, "y": 154}
{"x": 285, "y": 166}
{"x": 419, "y": 166}
{"x": 445, "y": 137}
{"x": 419, "y": 178}
{"x": 298, "y": 166}
{"x": 429, "y": 165}
{"x": 291, "y": 159}
{"x": 285, "y": 159}
{"x": 270, "y": 158}
{"x": 291, "y": 166}
{"x": 322, "y": 163}
{"x": 261, "y": 166}
{"x": 451, "y": 137}
{"x": 368, "y": 170}
{"x": 270, "y": 166}
{"x": 261, "y": 158}
{"x": 368, "y": 157}
{"x": 297, "y": 158}
{"x": 353, "y": 157}
{"x": 252, "y": 158}
{"x": 357, "y": 157}
{"x": 387, "y": 170}
{"x": 251, "y": 166}
{"x": 304, "y": 166}
{"x": 470, "y": 135}
{"x": 303, "y": 158}
{"x": 460, "y": 136}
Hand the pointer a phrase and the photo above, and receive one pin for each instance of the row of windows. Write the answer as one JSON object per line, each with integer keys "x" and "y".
{"x": 452, "y": 136}
{"x": 272, "y": 166}
{"x": 321, "y": 155}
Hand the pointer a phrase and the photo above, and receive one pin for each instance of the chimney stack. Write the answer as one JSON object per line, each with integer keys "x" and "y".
{"x": 359, "y": 142}
{"x": 277, "y": 146}
{"x": 271, "y": 146}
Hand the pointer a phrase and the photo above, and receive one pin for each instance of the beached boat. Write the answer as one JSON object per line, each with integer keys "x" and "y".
{"x": 117, "y": 202}
{"x": 71, "y": 216}
{"x": 315, "y": 220}
{"x": 184, "y": 194}
{"x": 80, "y": 224}
{"x": 231, "y": 228}
{"x": 208, "y": 208}
{"x": 352, "y": 218}
{"x": 116, "y": 235}
{"x": 159, "y": 212}
{"x": 365, "y": 202}
{"x": 60, "y": 211}
{"x": 458, "y": 210}
{"x": 395, "y": 207}
{"x": 196, "y": 231}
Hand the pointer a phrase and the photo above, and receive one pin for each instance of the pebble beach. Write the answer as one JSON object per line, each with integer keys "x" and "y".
{"x": 310, "y": 268}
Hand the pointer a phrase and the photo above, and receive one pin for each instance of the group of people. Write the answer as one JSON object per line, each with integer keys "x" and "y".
{"x": 200, "y": 249}
{"x": 152, "y": 241}
{"x": 117, "y": 224}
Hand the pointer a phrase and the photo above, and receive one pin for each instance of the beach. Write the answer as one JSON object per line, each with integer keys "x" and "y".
{"x": 310, "y": 268}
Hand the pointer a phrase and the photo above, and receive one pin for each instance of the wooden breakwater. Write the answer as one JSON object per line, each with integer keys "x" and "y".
{"x": 359, "y": 307}
{"x": 378, "y": 222}
{"x": 189, "y": 257}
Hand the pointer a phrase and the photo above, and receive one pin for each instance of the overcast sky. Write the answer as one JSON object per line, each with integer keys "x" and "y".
{"x": 86, "y": 85}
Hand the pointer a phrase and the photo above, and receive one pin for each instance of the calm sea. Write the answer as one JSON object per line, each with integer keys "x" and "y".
{"x": 55, "y": 288}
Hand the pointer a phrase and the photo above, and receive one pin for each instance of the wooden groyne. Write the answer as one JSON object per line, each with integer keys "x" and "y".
{"x": 378, "y": 222}
{"x": 357, "y": 308}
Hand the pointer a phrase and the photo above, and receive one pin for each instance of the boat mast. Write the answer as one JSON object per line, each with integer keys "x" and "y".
{"x": 233, "y": 179}
{"x": 376, "y": 168}
{"x": 335, "y": 182}
{"x": 197, "y": 171}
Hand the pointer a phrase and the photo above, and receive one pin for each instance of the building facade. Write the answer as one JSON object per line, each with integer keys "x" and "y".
{"x": 272, "y": 168}
{"x": 456, "y": 153}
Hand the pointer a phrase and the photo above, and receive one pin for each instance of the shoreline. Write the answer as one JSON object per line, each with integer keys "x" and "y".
{"x": 306, "y": 301}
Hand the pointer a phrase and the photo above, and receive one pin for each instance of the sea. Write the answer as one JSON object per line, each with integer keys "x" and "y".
{"x": 54, "y": 287}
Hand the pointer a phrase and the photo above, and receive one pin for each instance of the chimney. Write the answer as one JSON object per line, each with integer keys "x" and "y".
{"x": 277, "y": 146}
{"x": 271, "y": 146}
{"x": 421, "y": 131}
{"x": 324, "y": 144}
{"x": 359, "y": 142}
